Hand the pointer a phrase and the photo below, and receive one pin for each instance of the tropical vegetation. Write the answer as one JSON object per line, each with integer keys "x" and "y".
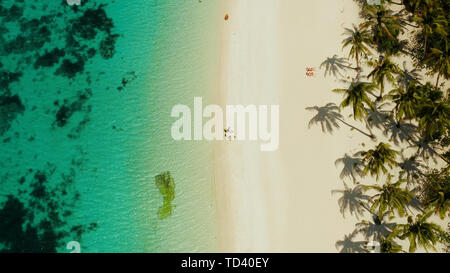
{"x": 401, "y": 178}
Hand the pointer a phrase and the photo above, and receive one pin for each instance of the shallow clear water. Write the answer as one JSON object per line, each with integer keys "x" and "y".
{"x": 101, "y": 159}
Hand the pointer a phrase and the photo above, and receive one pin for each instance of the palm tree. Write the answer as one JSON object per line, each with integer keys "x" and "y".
{"x": 328, "y": 117}
{"x": 439, "y": 60}
{"x": 352, "y": 200}
{"x": 358, "y": 39}
{"x": 357, "y": 96}
{"x": 429, "y": 23}
{"x": 405, "y": 101}
{"x": 434, "y": 119}
{"x": 440, "y": 200}
{"x": 436, "y": 191}
{"x": 388, "y": 245}
{"x": 418, "y": 6}
{"x": 383, "y": 24}
{"x": 376, "y": 159}
{"x": 390, "y": 198}
{"x": 419, "y": 232}
{"x": 384, "y": 70}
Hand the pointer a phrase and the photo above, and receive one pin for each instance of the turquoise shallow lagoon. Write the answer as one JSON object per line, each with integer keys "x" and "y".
{"x": 85, "y": 101}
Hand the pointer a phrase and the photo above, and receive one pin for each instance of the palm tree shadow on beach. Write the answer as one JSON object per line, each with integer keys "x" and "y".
{"x": 426, "y": 150}
{"x": 377, "y": 118}
{"x": 411, "y": 168}
{"x": 400, "y": 132}
{"x": 352, "y": 167}
{"x": 375, "y": 229}
{"x": 351, "y": 200}
{"x": 407, "y": 76}
{"x": 349, "y": 245}
{"x": 397, "y": 132}
{"x": 328, "y": 116}
{"x": 335, "y": 66}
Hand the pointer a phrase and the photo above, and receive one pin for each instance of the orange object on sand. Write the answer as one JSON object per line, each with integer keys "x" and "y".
{"x": 227, "y": 16}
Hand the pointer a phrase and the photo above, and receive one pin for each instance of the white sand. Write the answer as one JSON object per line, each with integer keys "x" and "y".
{"x": 281, "y": 201}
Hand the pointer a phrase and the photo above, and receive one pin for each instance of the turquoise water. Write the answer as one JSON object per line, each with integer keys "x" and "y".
{"x": 81, "y": 148}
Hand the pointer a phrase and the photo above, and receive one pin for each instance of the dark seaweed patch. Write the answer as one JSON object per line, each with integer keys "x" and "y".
{"x": 49, "y": 58}
{"x": 90, "y": 22}
{"x": 34, "y": 40}
{"x": 39, "y": 225}
{"x": 70, "y": 69}
{"x": 68, "y": 109}
{"x": 129, "y": 77}
{"x": 10, "y": 107}
{"x": 107, "y": 46}
{"x": 59, "y": 41}
{"x": 87, "y": 25}
{"x": 6, "y": 78}
{"x": 13, "y": 14}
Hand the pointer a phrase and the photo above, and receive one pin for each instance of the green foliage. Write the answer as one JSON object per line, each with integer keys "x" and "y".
{"x": 357, "y": 97}
{"x": 435, "y": 192}
{"x": 383, "y": 70}
{"x": 419, "y": 232}
{"x": 388, "y": 245}
{"x": 166, "y": 186}
{"x": 377, "y": 159}
{"x": 405, "y": 101}
{"x": 358, "y": 39}
{"x": 385, "y": 27}
{"x": 422, "y": 143}
{"x": 390, "y": 198}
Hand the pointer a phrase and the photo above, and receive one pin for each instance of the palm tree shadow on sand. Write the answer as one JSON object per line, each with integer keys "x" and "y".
{"x": 352, "y": 167}
{"x": 397, "y": 132}
{"x": 350, "y": 245}
{"x": 328, "y": 117}
{"x": 411, "y": 168}
{"x": 375, "y": 229}
{"x": 336, "y": 66}
{"x": 351, "y": 200}
{"x": 406, "y": 76}
{"x": 400, "y": 132}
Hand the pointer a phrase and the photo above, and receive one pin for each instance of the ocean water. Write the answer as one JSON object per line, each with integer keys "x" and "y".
{"x": 85, "y": 101}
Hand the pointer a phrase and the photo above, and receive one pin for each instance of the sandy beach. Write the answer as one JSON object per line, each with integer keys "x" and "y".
{"x": 281, "y": 201}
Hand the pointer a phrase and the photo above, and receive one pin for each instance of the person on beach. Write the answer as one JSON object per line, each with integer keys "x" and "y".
{"x": 229, "y": 134}
{"x": 310, "y": 71}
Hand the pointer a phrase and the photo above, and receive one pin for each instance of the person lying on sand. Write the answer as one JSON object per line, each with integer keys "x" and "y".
{"x": 310, "y": 71}
{"x": 229, "y": 134}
